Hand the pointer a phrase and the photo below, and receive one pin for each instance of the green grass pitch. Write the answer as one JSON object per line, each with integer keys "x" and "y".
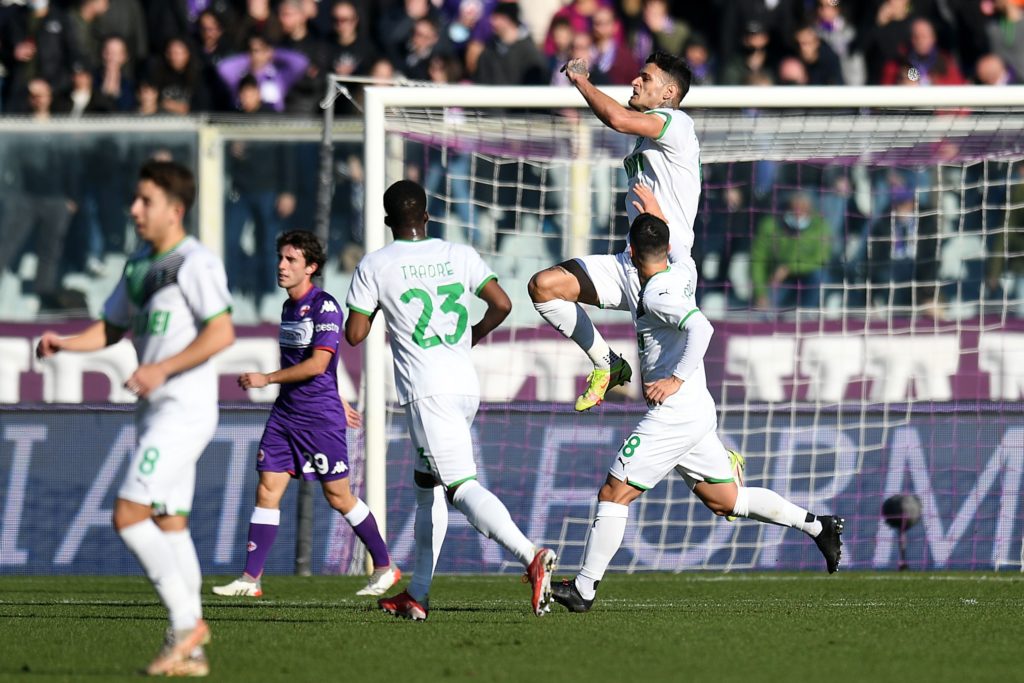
{"x": 691, "y": 627}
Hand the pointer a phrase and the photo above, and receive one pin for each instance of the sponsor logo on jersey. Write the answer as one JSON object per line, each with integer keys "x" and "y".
{"x": 327, "y": 327}
{"x": 328, "y": 307}
{"x": 296, "y": 334}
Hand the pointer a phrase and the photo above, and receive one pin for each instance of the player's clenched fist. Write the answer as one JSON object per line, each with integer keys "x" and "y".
{"x": 48, "y": 345}
{"x": 252, "y": 380}
{"x": 575, "y": 69}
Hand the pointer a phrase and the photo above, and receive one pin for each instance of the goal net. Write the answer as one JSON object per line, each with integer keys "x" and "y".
{"x": 891, "y": 365}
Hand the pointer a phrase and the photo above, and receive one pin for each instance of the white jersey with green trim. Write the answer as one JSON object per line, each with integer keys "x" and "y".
{"x": 665, "y": 302}
{"x": 165, "y": 300}
{"x": 424, "y": 289}
{"x": 669, "y": 164}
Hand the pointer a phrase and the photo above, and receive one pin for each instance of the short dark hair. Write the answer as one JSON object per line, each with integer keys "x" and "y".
{"x": 309, "y": 244}
{"x": 248, "y": 81}
{"x": 175, "y": 180}
{"x": 648, "y": 235}
{"x": 405, "y": 202}
{"x": 675, "y": 67}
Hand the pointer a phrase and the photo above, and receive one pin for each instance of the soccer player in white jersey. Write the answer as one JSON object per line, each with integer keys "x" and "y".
{"x": 423, "y": 286}
{"x": 173, "y": 298}
{"x": 666, "y": 158}
{"x": 679, "y": 430}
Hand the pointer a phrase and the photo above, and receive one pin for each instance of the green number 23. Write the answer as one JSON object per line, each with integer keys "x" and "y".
{"x": 450, "y": 304}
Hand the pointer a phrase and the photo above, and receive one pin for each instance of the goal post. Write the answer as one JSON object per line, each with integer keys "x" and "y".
{"x": 820, "y": 384}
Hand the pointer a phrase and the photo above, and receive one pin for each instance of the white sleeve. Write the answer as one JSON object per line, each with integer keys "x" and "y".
{"x": 204, "y": 284}
{"x": 478, "y": 272}
{"x": 363, "y": 294}
{"x": 698, "y": 337}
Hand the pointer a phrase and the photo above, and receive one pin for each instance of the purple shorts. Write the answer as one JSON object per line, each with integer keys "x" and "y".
{"x": 312, "y": 455}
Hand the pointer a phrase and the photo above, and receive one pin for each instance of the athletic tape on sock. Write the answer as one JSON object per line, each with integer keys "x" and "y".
{"x": 265, "y": 516}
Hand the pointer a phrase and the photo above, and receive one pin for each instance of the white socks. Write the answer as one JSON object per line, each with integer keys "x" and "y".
{"x": 356, "y": 515}
{"x": 569, "y": 318}
{"x": 158, "y": 558}
{"x": 188, "y": 563}
{"x": 764, "y": 505}
{"x": 430, "y": 528}
{"x": 491, "y": 518}
{"x": 602, "y": 544}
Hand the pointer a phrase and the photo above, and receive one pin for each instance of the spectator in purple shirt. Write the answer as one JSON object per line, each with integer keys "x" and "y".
{"x": 275, "y": 69}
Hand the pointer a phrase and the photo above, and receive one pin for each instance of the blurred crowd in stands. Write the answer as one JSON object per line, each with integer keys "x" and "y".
{"x": 788, "y": 228}
{"x": 184, "y": 56}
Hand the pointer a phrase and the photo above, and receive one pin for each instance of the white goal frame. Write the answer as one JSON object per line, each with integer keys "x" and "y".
{"x": 379, "y": 99}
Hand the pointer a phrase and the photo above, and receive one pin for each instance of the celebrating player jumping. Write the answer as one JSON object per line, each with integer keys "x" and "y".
{"x": 666, "y": 158}
{"x": 305, "y": 434}
{"x": 422, "y": 286}
{"x": 679, "y": 430}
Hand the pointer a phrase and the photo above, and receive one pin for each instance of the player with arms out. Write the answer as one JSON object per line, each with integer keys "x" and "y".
{"x": 305, "y": 434}
{"x": 173, "y": 297}
{"x": 422, "y": 286}
{"x": 665, "y": 158}
{"x": 679, "y": 430}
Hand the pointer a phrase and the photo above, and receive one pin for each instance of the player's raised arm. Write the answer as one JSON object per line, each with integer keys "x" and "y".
{"x": 663, "y": 82}
{"x": 498, "y": 308}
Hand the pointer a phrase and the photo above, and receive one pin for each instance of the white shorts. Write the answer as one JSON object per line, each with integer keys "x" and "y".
{"x": 681, "y": 437}
{"x": 162, "y": 472}
{"x": 615, "y": 278}
{"x": 440, "y": 430}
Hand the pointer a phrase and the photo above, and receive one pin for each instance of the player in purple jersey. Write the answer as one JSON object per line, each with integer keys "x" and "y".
{"x": 305, "y": 434}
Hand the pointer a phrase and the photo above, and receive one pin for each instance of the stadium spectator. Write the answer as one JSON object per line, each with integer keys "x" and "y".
{"x": 463, "y": 21}
{"x": 259, "y": 18}
{"x": 991, "y": 70}
{"x": 580, "y": 14}
{"x": 83, "y": 98}
{"x": 698, "y": 57}
{"x": 511, "y": 57}
{"x": 127, "y": 20}
{"x": 934, "y": 65}
{"x": 176, "y": 330}
{"x": 792, "y": 72}
{"x": 275, "y": 69}
{"x": 353, "y": 52}
{"x": 903, "y": 250}
{"x": 113, "y": 76}
{"x": 1005, "y": 30}
{"x": 39, "y": 193}
{"x": 35, "y": 42}
{"x": 262, "y": 190}
{"x": 396, "y": 24}
{"x": 778, "y": 17}
{"x": 882, "y": 40}
{"x": 836, "y": 31}
{"x": 757, "y": 57}
{"x": 790, "y": 256}
{"x": 614, "y": 63}
{"x": 85, "y": 30}
{"x": 178, "y": 77}
{"x": 822, "y": 64}
{"x": 304, "y": 96}
{"x": 658, "y": 30}
{"x": 562, "y": 37}
{"x": 424, "y": 43}
{"x": 148, "y": 98}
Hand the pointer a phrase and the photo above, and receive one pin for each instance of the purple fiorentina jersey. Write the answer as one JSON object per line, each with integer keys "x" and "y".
{"x": 312, "y": 322}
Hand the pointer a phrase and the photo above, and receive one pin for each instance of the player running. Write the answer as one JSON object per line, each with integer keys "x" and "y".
{"x": 666, "y": 158}
{"x": 174, "y": 298}
{"x": 305, "y": 434}
{"x": 422, "y": 286}
{"x": 679, "y": 430}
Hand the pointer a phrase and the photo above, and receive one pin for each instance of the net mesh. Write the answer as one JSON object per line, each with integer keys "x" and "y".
{"x": 892, "y": 368}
